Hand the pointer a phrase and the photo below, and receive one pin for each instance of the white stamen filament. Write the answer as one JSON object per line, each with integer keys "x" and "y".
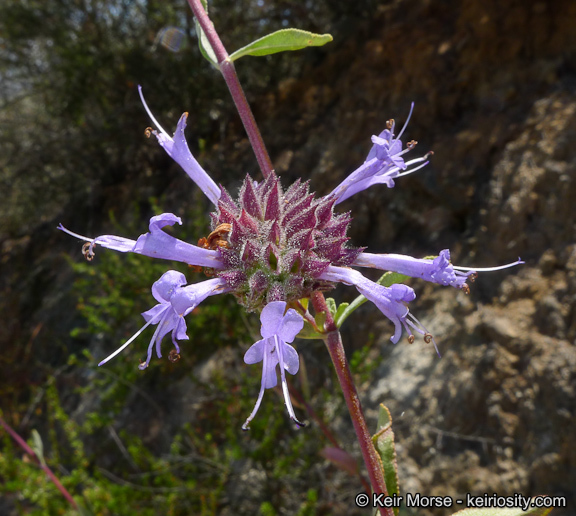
{"x": 284, "y": 383}
{"x": 412, "y": 162}
{"x": 126, "y": 344}
{"x": 406, "y": 123}
{"x": 489, "y": 269}
{"x": 151, "y": 115}
{"x": 71, "y": 233}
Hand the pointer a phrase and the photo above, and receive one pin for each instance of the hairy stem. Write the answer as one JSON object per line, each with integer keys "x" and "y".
{"x": 229, "y": 73}
{"x": 336, "y": 349}
{"x": 22, "y": 443}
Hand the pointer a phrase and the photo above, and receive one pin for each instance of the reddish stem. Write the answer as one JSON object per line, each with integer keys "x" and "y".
{"x": 229, "y": 73}
{"x": 22, "y": 443}
{"x": 333, "y": 342}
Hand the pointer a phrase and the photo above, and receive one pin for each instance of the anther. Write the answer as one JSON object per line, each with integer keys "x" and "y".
{"x": 411, "y": 144}
{"x": 173, "y": 356}
{"x": 148, "y": 132}
{"x": 410, "y": 339}
{"x": 301, "y": 425}
{"x": 472, "y": 277}
{"x": 390, "y": 124}
{"x": 428, "y": 338}
{"x": 466, "y": 289}
{"x": 87, "y": 251}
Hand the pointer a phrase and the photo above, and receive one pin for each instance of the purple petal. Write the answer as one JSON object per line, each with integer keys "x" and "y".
{"x": 269, "y": 376}
{"x": 255, "y": 353}
{"x": 291, "y": 360}
{"x": 292, "y": 324}
{"x": 155, "y": 313}
{"x": 185, "y": 299}
{"x": 166, "y": 285}
{"x": 177, "y": 149}
{"x": 390, "y": 301}
{"x": 271, "y": 318}
{"x": 159, "y": 244}
{"x": 439, "y": 270}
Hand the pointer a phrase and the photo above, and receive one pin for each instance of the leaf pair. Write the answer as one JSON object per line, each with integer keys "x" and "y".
{"x": 280, "y": 41}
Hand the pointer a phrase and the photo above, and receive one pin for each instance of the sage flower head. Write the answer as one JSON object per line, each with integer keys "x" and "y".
{"x": 271, "y": 247}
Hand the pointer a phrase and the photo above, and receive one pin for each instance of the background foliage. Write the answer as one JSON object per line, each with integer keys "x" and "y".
{"x": 494, "y": 89}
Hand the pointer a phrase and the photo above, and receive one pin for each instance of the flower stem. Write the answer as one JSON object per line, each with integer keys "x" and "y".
{"x": 229, "y": 73}
{"x": 336, "y": 349}
{"x": 22, "y": 443}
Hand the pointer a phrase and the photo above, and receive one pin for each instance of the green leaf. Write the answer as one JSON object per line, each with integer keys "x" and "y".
{"x": 340, "y": 310}
{"x": 516, "y": 511}
{"x": 38, "y": 446}
{"x": 331, "y": 305}
{"x": 383, "y": 441}
{"x": 203, "y": 43}
{"x": 281, "y": 41}
{"x": 309, "y": 332}
{"x": 391, "y": 278}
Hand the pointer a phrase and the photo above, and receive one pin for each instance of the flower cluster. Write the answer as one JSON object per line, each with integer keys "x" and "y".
{"x": 270, "y": 248}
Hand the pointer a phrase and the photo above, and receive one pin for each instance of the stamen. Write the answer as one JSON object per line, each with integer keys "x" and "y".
{"x": 148, "y": 132}
{"x": 466, "y": 289}
{"x": 150, "y": 113}
{"x": 173, "y": 356}
{"x": 301, "y": 425}
{"x": 411, "y": 144}
{"x": 406, "y": 123}
{"x": 126, "y": 344}
{"x": 88, "y": 251}
{"x": 411, "y": 162}
{"x": 390, "y": 124}
{"x": 489, "y": 269}
{"x": 411, "y": 339}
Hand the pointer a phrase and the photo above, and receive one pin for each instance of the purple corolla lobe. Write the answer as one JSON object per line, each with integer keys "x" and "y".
{"x": 279, "y": 328}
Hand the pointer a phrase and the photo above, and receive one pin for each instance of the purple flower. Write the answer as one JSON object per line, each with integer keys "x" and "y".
{"x": 278, "y": 329}
{"x": 389, "y": 300}
{"x": 382, "y": 165}
{"x": 438, "y": 270}
{"x": 156, "y": 244}
{"x": 174, "y": 302}
{"x": 177, "y": 149}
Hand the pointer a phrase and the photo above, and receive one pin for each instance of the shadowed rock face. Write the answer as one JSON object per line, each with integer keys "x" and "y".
{"x": 494, "y": 89}
{"x": 494, "y": 85}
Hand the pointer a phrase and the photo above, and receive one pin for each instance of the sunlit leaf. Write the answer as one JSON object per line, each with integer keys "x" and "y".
{"x": 282, "y": 41}
{"x": 38, "y": 446}
{"x": 203, "y": 43}
{"x": 383, "y": 441}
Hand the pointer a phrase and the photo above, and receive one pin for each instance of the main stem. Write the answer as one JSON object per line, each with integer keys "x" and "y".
{"x": 338, "y": 356}
{"x": 229, "y": 73}
{"x": 333, "y": 340}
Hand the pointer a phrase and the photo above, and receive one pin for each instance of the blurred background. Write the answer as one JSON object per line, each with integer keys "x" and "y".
{"x": 494, "y": 85}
